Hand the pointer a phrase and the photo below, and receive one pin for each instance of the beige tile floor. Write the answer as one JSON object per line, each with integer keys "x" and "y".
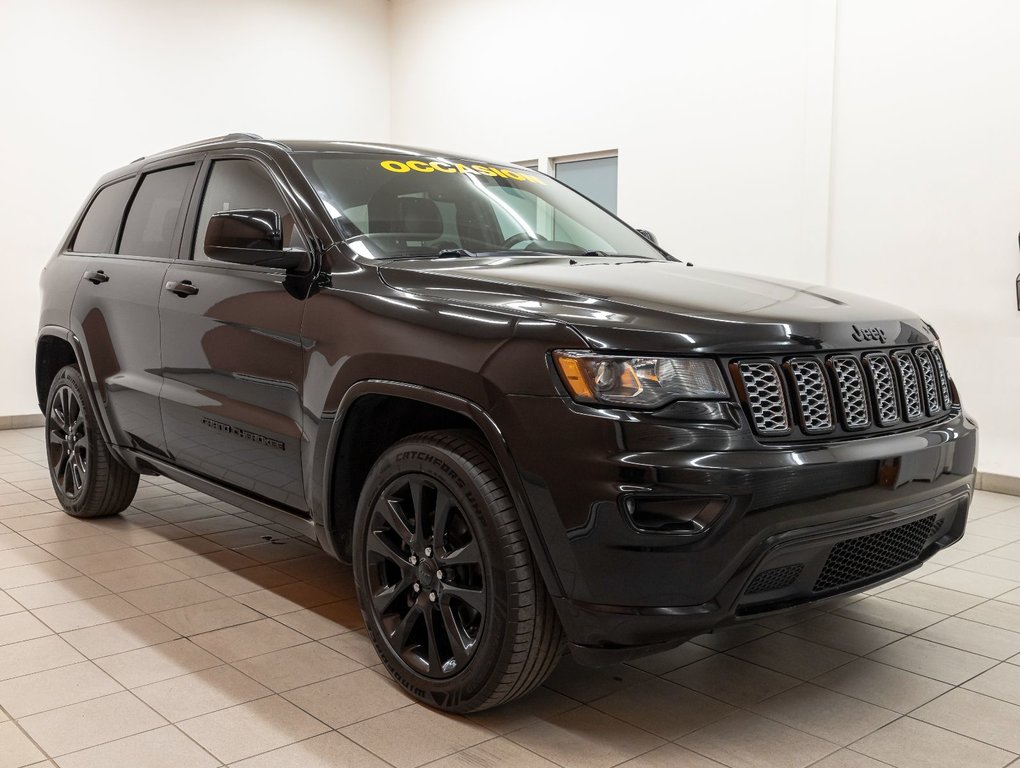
{"x": 188, "y": 633}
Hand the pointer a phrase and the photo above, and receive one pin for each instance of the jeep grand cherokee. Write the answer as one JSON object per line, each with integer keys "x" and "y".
{"x": 527, "y": 426}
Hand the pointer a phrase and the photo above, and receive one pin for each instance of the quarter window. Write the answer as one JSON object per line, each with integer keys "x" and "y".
{"x": 99, "y": 226}
{"x": 150, "y": 225}
{"x": 236, "y": 185}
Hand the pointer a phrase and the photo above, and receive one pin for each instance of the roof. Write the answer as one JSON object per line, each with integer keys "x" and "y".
{"x": 305, "y": 145}
{"x": 253, "y": 140}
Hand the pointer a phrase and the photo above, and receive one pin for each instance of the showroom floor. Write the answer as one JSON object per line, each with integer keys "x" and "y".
{"x": 181, "y": 635}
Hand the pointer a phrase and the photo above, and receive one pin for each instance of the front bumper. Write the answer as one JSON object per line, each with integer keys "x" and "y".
{"x": 621, "y": 592}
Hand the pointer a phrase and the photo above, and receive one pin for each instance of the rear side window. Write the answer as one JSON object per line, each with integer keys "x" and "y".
{"x": 150, "y": 225}
{"x": 99, "y": 227}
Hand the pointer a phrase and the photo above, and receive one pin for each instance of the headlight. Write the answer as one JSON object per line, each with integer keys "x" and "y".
{"x": 639, "y": 382}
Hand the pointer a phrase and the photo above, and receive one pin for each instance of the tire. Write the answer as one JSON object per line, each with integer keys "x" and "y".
{"x": 88, "y": 479}
{"x": 482, "y": 630}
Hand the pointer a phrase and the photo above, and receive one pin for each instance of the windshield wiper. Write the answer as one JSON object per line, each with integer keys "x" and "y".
{"x": 604, "y": 255}
{"x": 455, "y": 253}
{"x": 464, "y": 253}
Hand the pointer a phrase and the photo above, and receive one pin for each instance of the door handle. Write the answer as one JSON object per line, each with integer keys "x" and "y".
{"x": 183, "y": 289}
{"x": 96, "y": 277}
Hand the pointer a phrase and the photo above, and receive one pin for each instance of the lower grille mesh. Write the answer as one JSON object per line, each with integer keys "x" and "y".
{"x": 774, "y": 578}
{"x": 861, "y": 558}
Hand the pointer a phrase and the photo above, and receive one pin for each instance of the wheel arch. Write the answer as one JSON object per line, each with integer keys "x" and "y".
{"x": 55, "y": 348}
{"x": 409, "y": 409}
{"x": 53, "y": 351}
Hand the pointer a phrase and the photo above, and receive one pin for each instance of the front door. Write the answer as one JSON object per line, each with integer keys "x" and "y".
{"x": 232, "y": 355}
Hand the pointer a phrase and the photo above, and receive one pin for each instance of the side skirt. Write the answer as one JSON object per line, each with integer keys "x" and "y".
{"x": 293, "y": 519}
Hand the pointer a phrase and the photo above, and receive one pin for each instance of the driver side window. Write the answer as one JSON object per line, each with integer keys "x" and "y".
{"x": 239, "y": 184}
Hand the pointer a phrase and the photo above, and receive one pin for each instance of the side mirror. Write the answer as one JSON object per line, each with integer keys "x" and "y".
{"x": 648, "y": 236}
{"x": 251, "y": 236}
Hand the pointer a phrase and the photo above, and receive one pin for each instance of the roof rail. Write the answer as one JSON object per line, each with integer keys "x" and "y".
{"x": 241, "y": 136}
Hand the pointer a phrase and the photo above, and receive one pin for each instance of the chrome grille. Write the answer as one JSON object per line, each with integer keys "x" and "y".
{"x": 812, "y": 395}
{"x": 866, "y": 390}
{"x": 908, "y": 384}
{"x": 765, "y": 398}
{"x": 853, "y": 395}
{"x": 928, "y": 379}
{"x": 940, "y": 367}
{"x": 884, "y": 386}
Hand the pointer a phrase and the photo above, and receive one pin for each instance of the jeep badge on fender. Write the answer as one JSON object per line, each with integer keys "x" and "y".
{"x": 528, "y": 428}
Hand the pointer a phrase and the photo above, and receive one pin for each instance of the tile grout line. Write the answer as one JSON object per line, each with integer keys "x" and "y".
{"x": 945, "y": 730}
{"x": 46, "y": 755}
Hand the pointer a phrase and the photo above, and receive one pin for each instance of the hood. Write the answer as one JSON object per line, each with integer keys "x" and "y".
{"x": 660, "y": 306}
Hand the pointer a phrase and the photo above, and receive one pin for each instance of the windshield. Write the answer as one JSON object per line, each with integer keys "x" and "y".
{"x": 404, "y": 205}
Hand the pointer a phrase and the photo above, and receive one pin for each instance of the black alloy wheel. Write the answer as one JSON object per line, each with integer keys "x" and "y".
{"x": 88, "y": 479}
{"x": 425, "y": 576}
{"x": 68, "y": 444}
{"x": 445, "y": 576}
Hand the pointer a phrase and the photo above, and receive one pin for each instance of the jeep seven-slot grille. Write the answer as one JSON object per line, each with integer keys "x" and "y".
{"x": 764, "y": 390}
{"x": 931, "y": 387}
{"x": 852, "y": 392}
{"x": 940, "y": 367}
{"x": 857, "y": 392}
{"x": 883, "y": 384}
{"x": 909, "y": 389}
{"x": 812, "y": 395}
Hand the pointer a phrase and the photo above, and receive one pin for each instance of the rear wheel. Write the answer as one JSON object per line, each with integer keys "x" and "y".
{"x": 88, "y": 479}
{"x": 446, "y": 581}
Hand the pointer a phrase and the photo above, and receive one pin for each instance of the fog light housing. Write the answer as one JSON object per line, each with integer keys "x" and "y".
{"x": 682, "y": 516}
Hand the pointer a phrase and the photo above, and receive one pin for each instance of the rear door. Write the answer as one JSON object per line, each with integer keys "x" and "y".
{"x": 115, "y": 313}
{"x": 232, "y": 355}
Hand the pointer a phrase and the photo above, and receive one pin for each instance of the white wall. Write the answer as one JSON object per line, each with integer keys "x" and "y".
{"x": 89, "y": 86}
{"x": 926, "y": 186}
{"x": 712, "y": 106}
{"x": 871, "y": 144}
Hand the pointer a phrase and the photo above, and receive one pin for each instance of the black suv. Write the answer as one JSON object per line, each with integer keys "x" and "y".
{"x": 527, "y": 426}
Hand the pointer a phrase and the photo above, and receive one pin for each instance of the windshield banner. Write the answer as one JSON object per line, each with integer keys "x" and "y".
{"x": 442, "y": 166}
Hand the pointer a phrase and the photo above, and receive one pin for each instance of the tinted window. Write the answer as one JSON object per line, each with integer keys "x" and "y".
{"x": 99, "y": 227}
{"x": 236, "y": 185}
{"x": 150, "y": 224}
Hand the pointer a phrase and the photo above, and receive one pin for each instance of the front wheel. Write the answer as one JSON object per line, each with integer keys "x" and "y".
{"x": 446, "y": 581}
{"x": 88, "y": 479}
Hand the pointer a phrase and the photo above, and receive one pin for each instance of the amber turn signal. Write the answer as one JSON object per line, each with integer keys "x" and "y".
{"x": 574, "y": 377}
